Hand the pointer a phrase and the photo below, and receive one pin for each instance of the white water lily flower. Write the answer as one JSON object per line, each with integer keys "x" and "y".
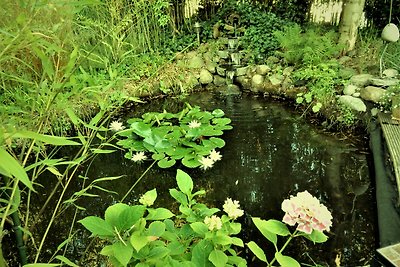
{"x": 116, "y": 126}
{"x": 232, "y": 208}
{"x": 139, "y": 157}
{"x": 213, "y": 222}
{"x": 206, "y": 163}
{"x": 215, "y": 155}
{"x": 194, "y": 124}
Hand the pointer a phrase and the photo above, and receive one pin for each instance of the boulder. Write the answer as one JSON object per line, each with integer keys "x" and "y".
{"x": 196, "y": 62}
{"x": 221, "y": 71}
{"x": 390, "y": 73}
{"x": 242, "y": 71}
{"x": 276, "y": 79}
{"x": 384, "y": 82}
{"x": 361, "y": 79}
{"x": 350, "y": 89}
{"x": 223, "y": 54}
{"x": 273, "y": 59}
{"x": 205, "y": 77}
{"x": 353, "y": 103}
{"x": 211, "y": 67}
{"x": 257, "y": 80}
{"x": 263, "y": 69}
{"x": 372, "y": 93}
{"x": 219, "y": 81}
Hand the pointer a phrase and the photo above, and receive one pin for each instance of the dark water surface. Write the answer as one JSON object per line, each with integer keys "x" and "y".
{"x": 270, "y": 154}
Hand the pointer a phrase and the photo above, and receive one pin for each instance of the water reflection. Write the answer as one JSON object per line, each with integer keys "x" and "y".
{"x": 270, "y": 154}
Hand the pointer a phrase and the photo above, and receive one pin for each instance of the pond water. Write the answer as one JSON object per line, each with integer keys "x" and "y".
{"x": 271, "y": 153}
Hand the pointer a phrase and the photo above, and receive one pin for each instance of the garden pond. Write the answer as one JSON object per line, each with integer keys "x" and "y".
{"x": 270, "y": 154}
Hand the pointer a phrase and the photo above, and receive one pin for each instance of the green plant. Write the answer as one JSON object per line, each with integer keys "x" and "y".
{"x": 189, "y": 136}
{"x": 142, "y": 236}
{"x": 311, "y": 217}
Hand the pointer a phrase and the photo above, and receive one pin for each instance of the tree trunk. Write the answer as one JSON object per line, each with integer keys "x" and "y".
{"x": 349, "y": 22}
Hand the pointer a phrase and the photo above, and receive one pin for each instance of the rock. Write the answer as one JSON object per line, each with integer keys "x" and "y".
{"x": 353, "y": 103}
{"x": 223, "y": 54}
{"x": 257, "y": 82}
{"x": 356, "y": 94}
{"x": 219, "y": 81}
{"x": 244, "y": 81}
{"x": 361, "y": 79}
{"x": 384, "y": 82}
{"x": 287, "y": 71}
{"x": 208, "y": 56}
{"x": 275, "y": 79}
{"x": 372, "y": 93}
{"x": 241, "y": 71}
{"x": 350, "y": 89}
{"x": 232, "y": 89}
{"x": 191, "y": 54}
{"x": 179, "y": 56}
{"x": 211, "y": 67}
{"x": 390, "y": 73}
{"x": 196, "y": 62}
{"x": 390, "y": 33}
{"x": 221, "y": 71}
{"x": 191, "y": 81}
{"x": 205, "y": 77}
{"x": 273, "y": 59}
{"x": 262, "y": 69}
{"x": 344, "y": 59}
{"x": 347, "y": 73}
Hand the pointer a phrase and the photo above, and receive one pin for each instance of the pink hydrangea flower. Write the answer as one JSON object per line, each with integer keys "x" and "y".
{"x": 307, "y": 212}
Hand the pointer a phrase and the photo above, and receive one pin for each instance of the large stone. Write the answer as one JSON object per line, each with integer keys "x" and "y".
{"x": 262, "y": 69}
{"x": 384, "y": 82}
{"x": 257, "y": 80}
{"x": 350, "y": 89}
{"x": 361, "y": 79}
{"x": 196, "y": 62}
{"x": 219, "y": 81}
{"x": 221, "y": 71}
{"x": 372, "y": 93}
{"x": 205, "y": 77}
{"x": 211, "y": 67}
{"x": 273, "y": 59}
{"x": 223, "y": 54}
{"x": 242, "y": 71}
{"x": 288, "y": 71}
{"x": 353, "y": 103}
{"x": 276, "y": 79}
{"x": 390, "y": 73}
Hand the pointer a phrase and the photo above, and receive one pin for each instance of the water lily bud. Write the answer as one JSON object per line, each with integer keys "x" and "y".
{"x": 390, "y": 33}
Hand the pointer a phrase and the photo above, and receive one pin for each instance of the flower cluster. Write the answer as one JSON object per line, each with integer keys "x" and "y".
{"x": 139, "y": 157}
{"x": 194, "y": 124}
{"x": 116, "y": 126}
{"x": 307, "y": 212}
{"x": 213, "y": 222}
{"x": 208, "y": 162}
{"x": 146, "y": 200}
{"x": 232, "y": 208}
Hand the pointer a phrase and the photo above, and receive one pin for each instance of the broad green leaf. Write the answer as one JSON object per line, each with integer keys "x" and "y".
{"x": 263, "y": 228}
{"x": 156, "y": 229}
{"x": 142, "y": 129}
{"x": 184, "y": 181}
{"x": 218, "y": 113}
{"x": 66, "y": 261}
{"x": 286, "y": 261}
{"x": 73, "y": 117}
{"x": 165, "y": 163}
{"x": 237, "y": 241}
{"x": 158, "y": 252}
{"x": 123, "y": 216}
{"x": 149, "y": 197}
{"x": 276, "y": 227}
{"x": 179, "y": 196}
{"x": 200, "y": 228}
{"x": 158, "y": 156}
{"x": 218, "y": 142}
{"x": 97, "y": 226}
{"x": 138, "y": 242}
{"x": 222, "y": 239}
{"x": 113, "y": 213}
{"x": 122, "y": 252}
{"x": 257, "y": 251}
{"x": 317, "y": 236}
{"x": 10, "y": 166}
{"x": 218, "y": 258}
{"x": 190, "y": 162}
{"x": 222, "y": 121}
{"x": 200, "y": 254}
{"x": 159, "y": 214}
{"x": 48, "y": 139}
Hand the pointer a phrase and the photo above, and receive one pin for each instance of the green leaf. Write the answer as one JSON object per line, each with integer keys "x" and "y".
{"x": 97, "y": 226}
{"x": 286, "y": 261}
{"x": 102, "y": 151}
{"x": 200, "y": 254}
{"x": 317, "y": 107}
{"x": 11, "y": 167}
{"x": 165, "y": 163}
{"x": 142, "y": 129}
{"x": 218, "y": 258}
{"x": 257, "y": 251}
{"x": 122, "y": 252}
{"x": 150, "y": 196}
{"x": 184, "y": 181}
{"x": 112, "y": 214}
{"x": 218, "y": 142}
{"x": 41, "y": 265}
{"x": 159, "y": 214}
{"x": 66, "y": 261}
{"x": 158, "y": 253}
{"x": 156, "y": 229}
{"x": 200, "y": 228}
{"x": 73, "y": 117}
{"x": 123, "y": 216}
{"x": 262, "y": 226}
{"x": 276, "y": 227}
{"x": 48, "y": 139}
{"x": 179, "y": 196}
{"x": 222, "y": 239}
{"x": 218, "y": 113}
{"x": 237, "y": 241}
{"x": 317, "y": 236}
{"x": 190, "y": 162}
{"x": 138, "y": 242}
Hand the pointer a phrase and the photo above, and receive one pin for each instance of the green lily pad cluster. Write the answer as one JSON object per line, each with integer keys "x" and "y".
{"x": 187, "y": 136}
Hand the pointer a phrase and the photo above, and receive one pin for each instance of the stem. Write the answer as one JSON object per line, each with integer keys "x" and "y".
{"x": 284, "y": 246}
{"x": 138, "y": 180}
